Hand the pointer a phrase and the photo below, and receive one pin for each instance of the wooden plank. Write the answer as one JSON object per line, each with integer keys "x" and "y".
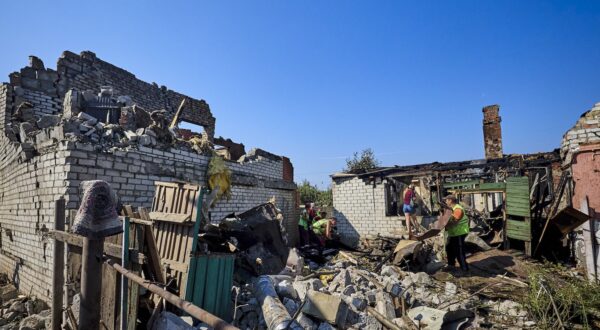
{"x": 169, "y": 217}
{"x": 125, "y": 264}
{"x": 518, "y": 236}
{"x": 178, "y": 266}
{"x": 520, "y": 230}
{"x": 517, "y": 212}
{"x": 110, "y": 249}
{"x": 460, "y": 184}
{"x": 475, "y": 191}
{"x": 184, "y": 185}
{"x": 153, "y": 256}
{"x": 518, "y": 225}
{"x": 134, "y": 289}
{"x": 168, "y": 201}
{"x": 128, "y": 210}
{"x": 140, "y": 221}
{"x": 58, "y": 267}
{"x": 108, "y": 300}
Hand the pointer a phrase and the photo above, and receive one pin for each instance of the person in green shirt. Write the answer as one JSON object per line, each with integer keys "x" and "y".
{"x": 303, "y": 225}
{"x": 457, "y": 230}
{"x": 323, "y": 229}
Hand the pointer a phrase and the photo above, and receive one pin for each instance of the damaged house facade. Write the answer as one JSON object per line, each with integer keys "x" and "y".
{"x": 90, "y": 120}
{"x": 540, "y": 203}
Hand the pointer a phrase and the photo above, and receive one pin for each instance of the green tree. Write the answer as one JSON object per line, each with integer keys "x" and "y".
{"x": 362, "y": 162}
{"x": 311, "y": 194}
{"x": 325, "y": 198}
{"x": 308, "y": 193}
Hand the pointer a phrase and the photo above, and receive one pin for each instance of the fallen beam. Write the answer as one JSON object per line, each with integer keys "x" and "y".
{"x": 186, "y": 306}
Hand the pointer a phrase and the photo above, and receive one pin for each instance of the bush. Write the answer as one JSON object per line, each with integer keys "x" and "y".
{"x": 557, "y": 299}
{"x": 363, "y": 162}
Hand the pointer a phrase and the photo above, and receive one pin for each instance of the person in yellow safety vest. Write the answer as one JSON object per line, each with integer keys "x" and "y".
{"x": 323, "y": 229}
{"x": 457, "y": 230}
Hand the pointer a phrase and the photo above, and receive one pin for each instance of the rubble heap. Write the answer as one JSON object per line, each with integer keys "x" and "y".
{"x": 21, "y": 312}
{"x": 347, "y": 293}
{"x": 110, "y": 123}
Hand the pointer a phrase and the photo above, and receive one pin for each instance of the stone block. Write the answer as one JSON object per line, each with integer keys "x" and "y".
{"x": 385, "y": 305}
{"x": 36, "y": 63}
{"x": 326, "y": 307}
{"x": 46, "y": 121}
{"x": 8, "y": 292}
{"x": 24, "y": 130}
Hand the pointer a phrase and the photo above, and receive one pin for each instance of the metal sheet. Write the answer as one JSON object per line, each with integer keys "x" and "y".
{"x": 518, "y": 229}
{"x": 213, "y": 282}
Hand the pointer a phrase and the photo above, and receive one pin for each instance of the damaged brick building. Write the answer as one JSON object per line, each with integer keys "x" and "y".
{"x": 528, "y": 197}
{"x": 89, "y": 120}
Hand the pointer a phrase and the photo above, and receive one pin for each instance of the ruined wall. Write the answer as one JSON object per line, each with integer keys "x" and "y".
{"x": 586, "y": 130}
{"x": 51, "y": 165}
{"x": 29, "y": 186}
{"x": 579, "y": 152}
{"x": 360, "y": 209}
{"x": 492, "y": 132}
{"x": 132, "y": 174}
{"x": 45, "y": 88}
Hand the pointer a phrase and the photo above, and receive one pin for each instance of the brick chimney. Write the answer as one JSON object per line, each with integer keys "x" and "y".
{"x": 492, "y": 132}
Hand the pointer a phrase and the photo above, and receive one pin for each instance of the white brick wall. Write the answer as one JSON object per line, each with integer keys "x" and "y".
{"x": 360, "y": 209}
{"x": 586, "y": 130}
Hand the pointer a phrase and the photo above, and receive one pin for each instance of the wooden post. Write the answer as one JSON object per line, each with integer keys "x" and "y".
{"x": 504, "y": 219}
{"x": 58, "y": 256}
{"x": 528, "y": 251}
{"x": 137, "y": 243}
{"x": 124, "y": 264}
{"x": 91, "y": 283}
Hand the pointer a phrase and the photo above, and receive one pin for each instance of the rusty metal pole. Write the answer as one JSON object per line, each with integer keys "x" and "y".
{"x": 91, "y": 283}
{"x": 186, "y": 306}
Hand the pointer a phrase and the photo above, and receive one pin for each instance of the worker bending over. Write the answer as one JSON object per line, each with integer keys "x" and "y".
{"x": 457, "y": 229}
{"x": 323, "y": 229}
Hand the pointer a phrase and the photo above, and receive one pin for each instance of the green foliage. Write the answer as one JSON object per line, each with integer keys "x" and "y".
{"x": 325, "y": 198}
{"x": 311, "y": 194}
{"x": 361, "y": 162}
{"x": 556, "y": 297}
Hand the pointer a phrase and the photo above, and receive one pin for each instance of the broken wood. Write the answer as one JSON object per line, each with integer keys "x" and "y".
{"x": 72, "y": 319}
{"x": 382, "y": 319}
{"x": 175, "y": 120}
{"x": 153, "y": 257}
{"x": 386, "y": 259}
{"x": 317, "y": 274}
{"x": 348, "y": 257}
{"x": 170, "y": 217}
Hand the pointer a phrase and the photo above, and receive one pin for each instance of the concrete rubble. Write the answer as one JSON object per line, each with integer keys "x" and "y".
{"x": 339, "y": 294}
{"x": 19, "y": 312}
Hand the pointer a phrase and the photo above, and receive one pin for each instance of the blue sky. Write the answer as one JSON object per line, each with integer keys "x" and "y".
{"x": 319, "y": 80}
